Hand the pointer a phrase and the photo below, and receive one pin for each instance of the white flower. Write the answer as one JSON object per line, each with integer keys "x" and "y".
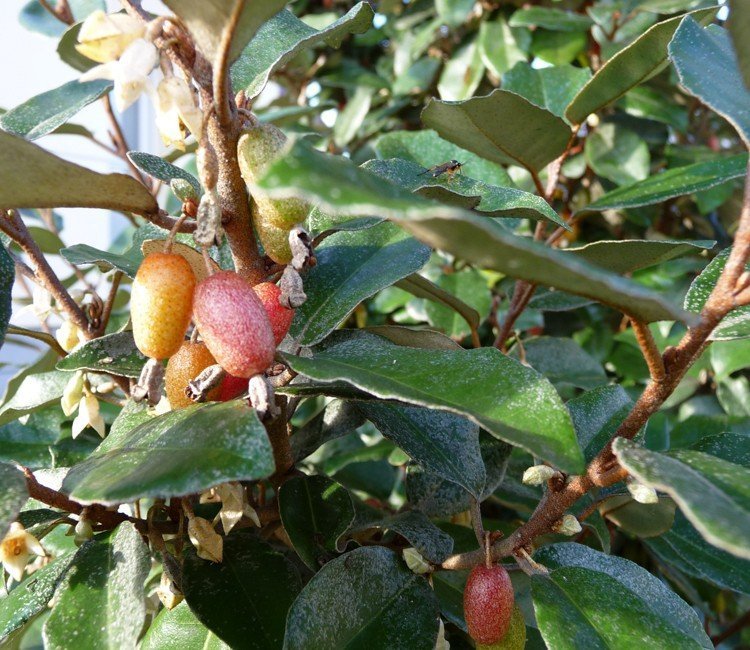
{"x": 72, "y": 394}
{"x": 16, "y": 548}
{"x": 176, "y": 110}
{"x": 414, "y": 560}
{"x": 130, "y": 72}
{"x": 642, "y": 493}
{"x": 88, "y": 416}
{"x": 104, "y": 37}
{"x": 538, "y": 474}
{"x": 69, "y": 335}
{"x": 207, "y": 542}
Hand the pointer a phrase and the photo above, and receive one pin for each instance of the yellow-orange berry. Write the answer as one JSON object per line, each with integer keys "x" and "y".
{"x": 280, "y": 316}
{"x": 160, "y": 304}
{"x": 275, "y": 240}
{"x": 189, "y": 361}
{"x": 234, "y": 324}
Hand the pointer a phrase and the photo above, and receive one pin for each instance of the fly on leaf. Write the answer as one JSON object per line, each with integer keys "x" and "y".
{"x": 451, "y": 167}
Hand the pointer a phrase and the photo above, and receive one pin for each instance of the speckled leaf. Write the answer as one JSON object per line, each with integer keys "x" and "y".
{"x": 13, "y": 494}
{"x": 32, "y": 596}
{"x": 502, "y": 46}
{"x": 739, "y": 26}
{"x": 596, "y": 414}
{"x": 219, "y": 442}
{"x": 594, "y": 600}
{"x": 551, "y": 88}
{"x": 160, "y": 169}
{"x": 83, "y": 254}
{"x": 315, "y": 511}
{"x": 427, "y": 149}
{"x": 43, "y": 113}
{"x": 66, "y": 50}
{"x": 7, "y": 278}
{"x": 34, "y": 392}
{"x": 512, "y": 402}
{"x": 115, "y": 353}
{"x": 179, "y": 629}
{"x": 632, "y": 65}
{"x": 283, "y": 37}
{"x": 437, "y": 497}
{"x": 443, "y": 443}
{"x": 714, "y": 494}
{"x": 464, "y": 192}
{"x": 361, "y": 600}
{"x": 563, "y": 361}
{"x": 353, "y": 266}
{"x": 672, "y": 183}
{"x": 707, "y": 68}
{"x": 617, "y": 154}
{"x": 628, "y": 255}
{"x": 336, "y": 420}
{"x": 462, "y": 72}
{"x": 551, "y": 18}
{"x": 35, "y": 178}
{"x": 684, "y": 548}
{"x": 243, "y": 600}
{"x": 343, "y": 188}
{"x": 102, "y": 598}
{"x": 469, "y": 287}
{"x": 736, "y": 324}
{"x": 433, "y": 544}
{"x": 502, "y": 127}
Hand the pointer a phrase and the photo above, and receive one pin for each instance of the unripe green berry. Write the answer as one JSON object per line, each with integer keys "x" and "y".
{"x": 515, "y": 637}
{"x": 275, "y": 240}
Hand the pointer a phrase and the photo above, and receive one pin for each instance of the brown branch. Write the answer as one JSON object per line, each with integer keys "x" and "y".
{"x": 649, "y": 349}
{"x": 44, "y": 337}
{"x": 107, "y": 310}
{"x": 62, "y": 11}
{"x": 120, "y": 143}
{"x": 604, "y": 471}
{"x": 223, "y": 101}
{"x": 741, "y": 622}
{"x": 278, "y": 434}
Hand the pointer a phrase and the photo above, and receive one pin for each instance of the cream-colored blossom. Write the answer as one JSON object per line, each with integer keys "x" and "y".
{"x": 130, "y": 72}
{"x": 72, "y": 394}
{"x": 88, "y": 416}
{"x": 538, "y": 474}
{"x": 207, "y": 542}
{"x": 104, "y": 37}
{"x": 177, "y": 112}
{"x": 69, "y": 335}
{"x": 642, "y": 493}
{"x": 16, "y": 548}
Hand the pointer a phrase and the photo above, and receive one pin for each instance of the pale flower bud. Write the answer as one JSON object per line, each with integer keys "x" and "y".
{"x": 568, "y": 525}
{"x": 16, "y": 548}
{"x": 83, "y": 531}
{"x": 538, "y": 474}
{"x": 168, "y": 594}
{"x": 104, "y": 37}
{"x": 441, "y": 643}
{"x": 68, "y": 335}
{"x": 72, "y": 394}
{"x": 414, "y": 560}
{"x": 88, "y": 416}
{"x": 177, "y": 111}
{"x": 207, "y": 542}
{"x": 642, "y": 493}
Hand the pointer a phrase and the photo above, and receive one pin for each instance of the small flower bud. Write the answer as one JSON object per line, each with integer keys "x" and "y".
{"x": 168, "y": 594}
{"x": 568, "y": 525}
{"x": 642, "y": 493}
{"x": 83, "y": 531}
{"x": 538, "y": 474}
{"x": 207, "y": 542}
{"x": 88, "y": 416}
{"x": 68, "y": 335}
{"x": 414, "y": 560}
{"x": 72, "y": 394}
{"x": 183, "y": 189}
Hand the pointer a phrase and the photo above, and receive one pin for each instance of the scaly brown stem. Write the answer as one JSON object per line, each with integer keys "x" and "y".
{"x": 107, "y": 311}
{"x": 649, "y": 350}
{"x": 221, "y": 85}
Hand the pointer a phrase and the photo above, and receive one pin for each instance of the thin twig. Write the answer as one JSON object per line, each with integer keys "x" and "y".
{"x": 649, "y": 349}
{"x": 223, "y": 100}
{"x": 107, "y": 310}
{"x": 118, "y": 139}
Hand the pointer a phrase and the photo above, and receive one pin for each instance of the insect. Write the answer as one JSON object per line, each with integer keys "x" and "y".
{"x": 451, "y": 167}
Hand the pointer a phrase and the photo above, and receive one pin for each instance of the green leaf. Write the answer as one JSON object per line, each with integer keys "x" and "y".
{"x": 468, "y": 286}
{"x": 728, "y": 357}
{"x": 386, "y": 605}
{"x": 35, "y": 392}
{"x": 465, "y": 192}
{"x": 594, "y": 600}
{"x": 244, "y": 599}
{"x": 462, "y": 73}
{"x": 102, "y": 598}
{"x": 433, "y": 544}
{"x": 315, "y": 511}
{"x": 551, "y": 88}
{"x": 32, "y": 596}
{"x": 342, "y": 188}
{"x": 502, "y": 127}
{"x": 707, "y": 67}
{"x": 160, "y": 169}
{"x": 739, "y": 26}
{"x": 628, "y": 255}
{"x": 500, "y": 45}
{"x": 673, "y": 182}
{"x": 36, "y": 18}
{"x": 43, "y": 113}
{"x": 684, "y": 548}
{"x": 210, "y": 23}
{"x": 563, "y": 361}
{"x": 337, "y": 419}
{"x": 558, "y": 48}
{"x": 83, "y": 254}
{"x": 617, "y": 154}
{"x": 13, "y": 494}
{"x": 427, "y": 148}
{"x": 453, "y": 12}
{"x": 550, "y": 18}
{"x": 443, "y": 443}
{"x": 179, "y": 629}
{"x": 632, "y": 65}
{"x": 35, "y": 178}
{"x": 352, "y": 116}
{"x": 714, "y": 494}
{"x": 512, "y": 402}
{"x": 114, "y": 353}
{"x": 7, "y": 278}
{"x": 353, "y": 266}
{"x": 596, "y": 414}
{"x": 645, "y": 102}
{"x": 283, "y": 37}
{"x": 66, "y": 49}
{"x": 219, "y": 442}
{"x": 736, "y": 324}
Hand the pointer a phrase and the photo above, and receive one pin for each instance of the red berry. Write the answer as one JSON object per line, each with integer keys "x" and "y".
{"x": 488, "y": 603}
{"x": 232, "y": 387}
{"x": 280, "y": 316}
{"x": 233, "y": 324}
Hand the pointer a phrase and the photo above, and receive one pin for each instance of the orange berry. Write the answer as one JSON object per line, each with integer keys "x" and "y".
{"x": 160, "y": 304}
{"x": 234, "y": 324}
{"x": 189, "y": 361}
{"x": 280, "y": 316}
{"x": 488, "y": 603}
